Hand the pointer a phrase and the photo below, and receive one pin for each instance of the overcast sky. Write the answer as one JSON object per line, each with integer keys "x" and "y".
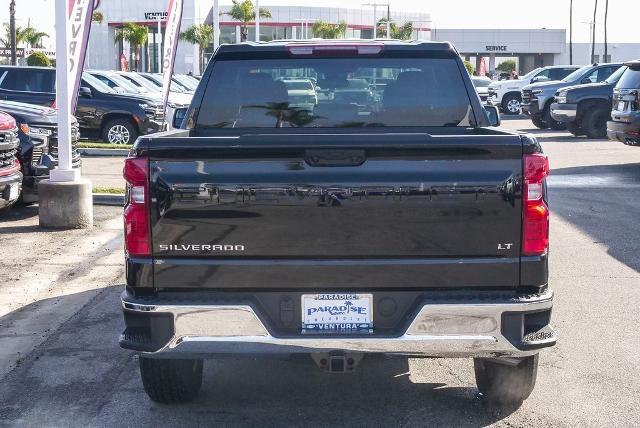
{"x": 445, "y": 13}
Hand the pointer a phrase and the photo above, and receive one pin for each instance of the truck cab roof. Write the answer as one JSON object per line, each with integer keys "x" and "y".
{"x": 386, "y": 44}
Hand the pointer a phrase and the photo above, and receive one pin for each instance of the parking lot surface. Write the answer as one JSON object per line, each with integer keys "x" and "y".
{"x": 60, "y": 364}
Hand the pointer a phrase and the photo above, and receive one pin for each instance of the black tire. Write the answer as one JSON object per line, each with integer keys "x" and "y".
{"x": 539, "y": 123}
{"x": 551, "y": 122}
{"x": 594, "y": 122}
{"x": 171, "y": 381}
{"x": 509, "y": 103}
{"x": 506, "y": 385}
{"x": 575, "y": 129}
{"x": 114, "y": 127}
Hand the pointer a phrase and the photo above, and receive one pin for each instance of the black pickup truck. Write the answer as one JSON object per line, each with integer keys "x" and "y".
{"x": 407, "y": 228}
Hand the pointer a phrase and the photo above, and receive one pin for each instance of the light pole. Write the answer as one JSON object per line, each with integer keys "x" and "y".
{"x": 159, "y": 49}
{"x": 257, "y": 20}
{"x": 304, "y": 27}
{"x": 216, "y": 24}
{"x": 375, "y": 18}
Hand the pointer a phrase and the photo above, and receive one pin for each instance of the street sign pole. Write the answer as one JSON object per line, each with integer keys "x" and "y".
{"x": 64, "y": 171}
{"x": 65, "y": 199}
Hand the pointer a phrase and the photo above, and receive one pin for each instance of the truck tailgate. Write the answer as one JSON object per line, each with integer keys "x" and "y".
{"x": 339, "y": 211}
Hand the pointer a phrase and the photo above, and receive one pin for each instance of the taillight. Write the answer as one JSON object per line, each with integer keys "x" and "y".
{"x": 137, "y": 238}
{"x": 54, "y": 104}
{"x": 535, "y": 225}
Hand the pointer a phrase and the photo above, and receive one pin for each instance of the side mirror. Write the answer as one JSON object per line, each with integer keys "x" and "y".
{"x": 493, "y": 114}
{"x": 85, "y": 92}
{"x": 178, "y": 117}
{"x": 586, "y": 81}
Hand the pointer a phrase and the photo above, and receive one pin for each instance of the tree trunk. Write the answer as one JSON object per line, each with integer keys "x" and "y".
{"x": 244, "y": 33}
{"x": 593, "y": 36}
{"x": 606, "y": 18}
{"x": 12, "y": 30}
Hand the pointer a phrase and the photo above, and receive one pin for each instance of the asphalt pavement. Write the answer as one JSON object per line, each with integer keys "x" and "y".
{"x": 60, "y": 364}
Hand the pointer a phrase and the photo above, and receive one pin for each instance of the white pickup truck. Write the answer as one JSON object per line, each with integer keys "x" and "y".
{"x": 506, "y": 94}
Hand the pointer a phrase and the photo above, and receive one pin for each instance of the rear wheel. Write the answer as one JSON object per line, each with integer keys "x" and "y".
{"x": 171, "y": 381}
{"x": 506, "y": 384}
{"x": 538, "y": 122}
{"x": 594, "y": 123}
{"x": 511, "y": 104}
{"x": 575, "y": 129}
{"x": 553, "y": 124}
{"x": 119, "y": 131}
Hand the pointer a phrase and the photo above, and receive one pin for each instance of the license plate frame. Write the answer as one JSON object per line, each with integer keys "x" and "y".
{"x": 337, "y": 313}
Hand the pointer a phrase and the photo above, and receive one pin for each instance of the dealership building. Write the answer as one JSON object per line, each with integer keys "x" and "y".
{"x": 286, "y": 22}
{"x": 530, "y": 48}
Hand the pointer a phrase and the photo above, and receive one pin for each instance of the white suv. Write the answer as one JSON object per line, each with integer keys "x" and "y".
{"x": 507, "y": 95}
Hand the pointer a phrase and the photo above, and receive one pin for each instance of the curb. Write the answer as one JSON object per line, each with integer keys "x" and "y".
{"x": 108, "y": 199}
{"x": 104, "y": 152}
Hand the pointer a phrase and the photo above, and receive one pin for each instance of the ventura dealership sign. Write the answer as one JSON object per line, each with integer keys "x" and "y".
{"x": 149, "y": 16}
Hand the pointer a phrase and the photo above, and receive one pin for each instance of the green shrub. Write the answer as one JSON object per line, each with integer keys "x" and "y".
{"x": 38, "y": 59}
{"x": 507, "y": 66}
{"x": 470, "y": 68}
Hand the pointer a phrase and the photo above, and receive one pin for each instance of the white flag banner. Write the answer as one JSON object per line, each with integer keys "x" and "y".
{"x": 172, "y": 31}
{"x": 80, "y": 13}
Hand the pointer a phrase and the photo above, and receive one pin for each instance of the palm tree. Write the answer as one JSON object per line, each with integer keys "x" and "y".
{"x": 201, "y": 35}
{"x": 593, "y": 36}
{"x": 325, "y": 30}
{"x": 606, "y": 19}
{"x": 404, "y": 32}
{"x": 244, "y": 12}
{"x": 34, "y": 37}
{"x": 97, "y": 17}
{"x": 137, "y": 36}
{"x": 571, "y": 32}
{"x": 19, "y": 36}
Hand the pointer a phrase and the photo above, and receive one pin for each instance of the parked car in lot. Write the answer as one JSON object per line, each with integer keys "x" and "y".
{"x": 482, "y": 87}
{"x": 121, "y": 84}
{"x": 538, "y": 97}
{"x": 624, "y": 125}
{"x": 101, "y": 111}
{"x": 406, "y": 226}
{"x": 176, "y": 85}
{"x": 357, "y": 92}
{"x": 302, "y": 93}
{"x": 585, "y": 109}
{"x": 507, "y": 94}
{"x": 10, "y": 175}
{"x": 38, "y": 150}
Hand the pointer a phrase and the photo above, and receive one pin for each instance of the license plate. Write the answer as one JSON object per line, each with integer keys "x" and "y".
{"x": 14, "y": 192}
{"x": 621, "y": 106}
{"x": 337, "y": 313}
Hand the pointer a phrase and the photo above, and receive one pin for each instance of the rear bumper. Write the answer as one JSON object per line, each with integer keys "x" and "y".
{"x": 565, "y": 113}
{"x": 506, "y": 327}
{"x": 626, "y": 132}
